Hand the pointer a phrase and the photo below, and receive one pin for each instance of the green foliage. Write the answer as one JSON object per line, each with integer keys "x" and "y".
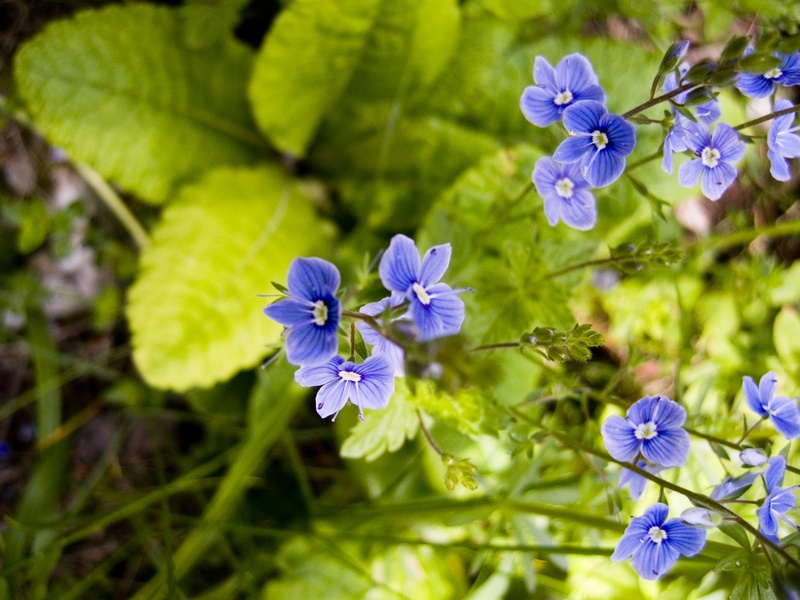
{"x": 564, "y": 346}
{"x": 193, "y": 311}
{"x": 146, "y": 116}
{"x": 459, "y": 472}
{"x": 383, "y": 430}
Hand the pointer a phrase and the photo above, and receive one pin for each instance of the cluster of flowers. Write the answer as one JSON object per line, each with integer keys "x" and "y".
{"x": 652, "y": 437}
{"x": 595, "y": 153}
{"x": 311, "y": 313}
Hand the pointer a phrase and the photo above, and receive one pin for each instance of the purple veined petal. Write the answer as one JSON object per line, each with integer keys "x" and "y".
{"x": 715, "y": 181}
{"x": 708, "y": 112}
{"x": 311, "y": 278}
{"x": 733, "y": 487}
{"x": 687, "y": 540}
{"x": 332, "y": 397}
{"x": 696, "y": 135}
{"x": 546, "y": 172}
{"x": 752, "y": 457}
{"x": 537, "y": 106}
{"x": 752, "y": 396}
{"x": 583, "y": 117}
{"x": 636, "y": 532}
{"x": 579, "y": 212}
{"x": 552, "y": 208}
{"x": 778, "y": 166}
{"x": 783, "y": 501}
{"x": 374, "y": 309}
{"x": 545, "y": 75}
{"x": 574, "y": 148}
{"x": 727, "y": 141}
{"x": 773, "y": 475}
{"x": 619, "y": 439}
{"x": 788, "y": 144}
{"x": 690, "y": 172}
{"x": 641, "y": 411}
{"x": 574, "y": 72}
{"x": 604, "y": 168}
{"x": 755, "y": 86}
{"x": 669, "y": 448}
{"x": 667, "y": 413}
{"x": 766, "y": 388}
{"x": 628, "y": 545}
{"x": 666, "y": 161}
{"x": 700, "y": 517}
{"x": 290, "y": 312}
{"x": 434, "y": 264}
{"x": 785, "y": 416}
{"x": 377, "y": 383}
{"x": 310, "y": 344}
{"x": 654, "y": 559}
{"x": 791, "y": 70}
{"x": 443, "y": 316}
{"x": 621, "y": 134}
{"x": 309, "y": 376}
{"x": 399, "y": 265}
{"x": 768, "y": 521}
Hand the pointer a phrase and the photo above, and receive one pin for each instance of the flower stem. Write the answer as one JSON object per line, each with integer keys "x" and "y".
{"x": 427, "y": 434}
{"x": 659, "y": 99}
{"x": 769, "y": 117}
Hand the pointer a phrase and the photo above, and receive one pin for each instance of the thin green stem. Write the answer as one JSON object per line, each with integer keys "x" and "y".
{"x": 659, "y": 99}
{"x": 427, "y": 435}
{"x": 728, "y": 444}
{"x": 746, "y": 236}
{"x": 644, "y": 160}
{"x": 114, "y": 204}
{"x": 769, "y": 117}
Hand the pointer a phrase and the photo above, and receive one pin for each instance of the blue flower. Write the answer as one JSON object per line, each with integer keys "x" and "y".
{"x": 367, "y": 385}
{"x": 635, "y": 482}
{"x": 435, "y": 308}
{"x": 752, "y": 457}
{"x": 380, "y": 345}
{"x": 600, "y": 140}
{"x": 782, "y": 411}
{"x": 733, "y": 487}
{"x": 572, "y": 80}
{"x": 655, "y": 543}
{"x": 652, "y": 427}
{"x": 782, "y": 142}
{"x": 757, "y": 85}
{"x": 566, "y": 194}
{"x": 779, "y": 500}
{"x": 714, "y": 167}
{"x": 311, "y": 312}
{"x": 706, "y": 113}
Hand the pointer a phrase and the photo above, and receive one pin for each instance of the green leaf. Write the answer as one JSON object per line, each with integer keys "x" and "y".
{"x": 786, "y": 332}
{"x": 34, "y": 225}
{"x": 737, "y": 533}
{"x": 384, "y": 430}
{"x": 318, "y": 48}
{"x": 193, "y": 312}
{"x": 208, "y": 22}
{"x": 148, "y": 116}
{"x": 564, "y": 346}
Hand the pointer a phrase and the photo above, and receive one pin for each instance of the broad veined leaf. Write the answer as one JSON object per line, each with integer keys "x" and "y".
{"x": 193, "y": 312}
{"x": 318, "y": 48}
{"x": 384, "y": 430}
{"x": 118, "y": 89}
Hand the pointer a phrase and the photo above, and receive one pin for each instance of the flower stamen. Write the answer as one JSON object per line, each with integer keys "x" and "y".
{"x": 710, "y": 157}
{"x": 421, "y": 294}
{"x": 645, "y": 431}
{"x": 320, "y": 313}
{"x": 564, "y": 187}
{"x": 563, "y": 98}
{"x": 599, "y": 139}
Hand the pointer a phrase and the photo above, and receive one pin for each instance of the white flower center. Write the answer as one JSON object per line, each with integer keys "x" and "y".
{"x": 772, "y": 74}
{"x": 645, "y": 431}
{"x": 599, "y": 139}
{"x": 657, "y": 534}
{"x": 562, "y": 98}
{"x": 320, "y": 313}
{"x": 421, "y": 294}
{"x": 710, "y": 157}
{"x": 349, "y": 376}
{"x": 564, "y": 187}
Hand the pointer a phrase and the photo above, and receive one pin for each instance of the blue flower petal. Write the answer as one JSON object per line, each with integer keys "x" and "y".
{"x": 766, "y": 387}
{"x": 778, "y": 166}
{"x": 309, "y": 376}
{"x": 310, "y": 344}
{"x": 604, "y": 168}
{"x": 715, "y": 181}
{"x": 377, "y": 383}
{"x": 536, "y": 104}
{"x": 774, "y": 473}
{"x": 727, "y": 141}
{"x": 752, "y": 396}
{"x": 687, "y": 540}
{"x": 667, "y": 414}
{"x": 399, "y": 266}
{"x": 574, "y": 72}
{"x": 584, "y": 117}
{"x": 574, "y": 148}
{"x": 442, "y": 317}
{"x": 669, "y": 448}
{"x": 785, "y": 415}
{"x": 579, "y": 212}
{"x": 290, "y": 312}
{"x": 619, "y": 439}
{"x": 696, "y": 135}
{"x": 690, "y": 172}
{"x": 545, "y": 75}
{"x": 332, "y": 397}
{"x": 654, "y": 559}
{"x": 311, "y": 278}
{"x": 434, "y": 264}
{"x": 755, "y": 86}
{"x": 621, "y": 134}
{"x": 768, "y": 522}
{"x": 708, "y": 112}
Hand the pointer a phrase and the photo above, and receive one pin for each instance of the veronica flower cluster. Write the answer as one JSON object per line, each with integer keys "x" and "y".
{"x": 652, "y": 437}
{"x": 311, "y": 312}
{"x": 594, "y": 155}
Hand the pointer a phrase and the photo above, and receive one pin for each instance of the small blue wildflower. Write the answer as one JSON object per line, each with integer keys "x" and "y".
{"x": 380, "y": 345}
{"x": 706, "y": 113}
{"x": 311, "y": 312}
{"x": 761, "y": 85}
{"x": 566, "y": 193}
{"x": 571, "y": 81}
{"x": 783, "y": 412}
{"x": 733, "y": 487}
{"x": 652, "y": 427}
{"x": 700, "y": 517}
{"x": 654, "y": 544}
{"x": 367, "y": 385}
{"x": 782, "y": 142}
{"x": 635, "y": 482}
{"x": 599, "y": 139}
{"x": 752, "y": 457}
{"x": 435, "y": 308}
{"x": 716, "y": 156}
{"x": 779, "y": 500}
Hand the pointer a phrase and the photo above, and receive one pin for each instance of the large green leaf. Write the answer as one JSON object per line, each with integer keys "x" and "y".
{"x": 317, "y": 48}
{"x": 193, "y": 312}
{"x": 118, "y": 89}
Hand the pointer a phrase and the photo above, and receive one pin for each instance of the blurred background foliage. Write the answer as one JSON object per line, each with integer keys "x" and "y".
{"x": 164, "y": 162}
